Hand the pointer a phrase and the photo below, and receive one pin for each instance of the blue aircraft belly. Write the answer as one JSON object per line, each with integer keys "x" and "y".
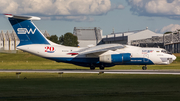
{"x": 134, "y": 61}
{"x": 81, "y": 60}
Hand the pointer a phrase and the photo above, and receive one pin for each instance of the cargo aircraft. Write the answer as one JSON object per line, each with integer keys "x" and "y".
{"x": 106, "y": 55}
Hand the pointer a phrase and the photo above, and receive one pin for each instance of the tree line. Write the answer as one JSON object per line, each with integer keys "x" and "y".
{"x": 67, "y": 39}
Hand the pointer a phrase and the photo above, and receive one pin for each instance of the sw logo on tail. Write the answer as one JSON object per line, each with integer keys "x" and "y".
{"x": 25, "y": 31}
{"x": 106, "y": 55}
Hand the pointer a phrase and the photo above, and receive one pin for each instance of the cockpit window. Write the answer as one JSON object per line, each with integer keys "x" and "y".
{"x": 163, "y": 51}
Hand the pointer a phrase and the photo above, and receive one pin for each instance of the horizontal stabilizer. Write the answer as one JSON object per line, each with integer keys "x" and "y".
{"x": 22, "y": 17}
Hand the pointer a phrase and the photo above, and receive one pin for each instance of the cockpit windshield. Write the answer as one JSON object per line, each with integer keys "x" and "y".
{"x": 163, "y": 51}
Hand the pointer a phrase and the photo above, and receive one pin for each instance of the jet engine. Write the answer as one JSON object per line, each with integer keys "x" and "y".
{"x": 115, "y": 58}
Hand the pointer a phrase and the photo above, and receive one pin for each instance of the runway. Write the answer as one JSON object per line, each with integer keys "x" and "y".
{"x": 175, "y": 72}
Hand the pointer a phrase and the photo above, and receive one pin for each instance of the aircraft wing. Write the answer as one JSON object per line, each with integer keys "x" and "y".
{"x": 98, "y": 49}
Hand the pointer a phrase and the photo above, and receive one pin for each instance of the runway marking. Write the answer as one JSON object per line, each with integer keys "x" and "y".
{"x": 98, "y": 71}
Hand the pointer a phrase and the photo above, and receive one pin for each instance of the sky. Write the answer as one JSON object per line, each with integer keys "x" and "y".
{"x": 61, "y": 16}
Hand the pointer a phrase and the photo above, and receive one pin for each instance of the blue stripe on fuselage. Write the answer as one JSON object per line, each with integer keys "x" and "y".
{"x": 134, "y": 61}
{"x": 139, "y": 61}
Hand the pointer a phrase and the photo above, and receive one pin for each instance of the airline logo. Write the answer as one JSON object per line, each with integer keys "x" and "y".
{"x": 146, "y": 51}
{"x": 25, "y": 31}
{"x": 49, "y": 49}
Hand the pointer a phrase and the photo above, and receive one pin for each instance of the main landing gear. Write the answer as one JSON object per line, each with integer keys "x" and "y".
{"x": 92, "y": 67}
{"x": 101, "y": 67}
{"x": 144, "y": 67}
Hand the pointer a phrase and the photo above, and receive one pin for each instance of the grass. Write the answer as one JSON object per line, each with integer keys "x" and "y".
{"x": 29, "y": 61}
{"x": 89, "y": 87}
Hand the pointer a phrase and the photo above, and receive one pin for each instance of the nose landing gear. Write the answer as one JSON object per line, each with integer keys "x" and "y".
{"x": 144, "y": 67}
{"x": 101, "y": 67}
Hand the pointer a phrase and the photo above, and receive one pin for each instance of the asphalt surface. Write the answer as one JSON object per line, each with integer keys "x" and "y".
{"x": 175, "y": 72}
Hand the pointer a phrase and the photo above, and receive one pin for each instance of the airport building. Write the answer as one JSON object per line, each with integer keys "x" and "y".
{"x": 155, "y": 41}
{"x": 130, "y": 36}
{"x": 169, "y": 41}
{"x": 88, "y": 36}
{"x": 9, "y": 40}
{"x": 142, "y": 38}
{"x": 172, "y": 41}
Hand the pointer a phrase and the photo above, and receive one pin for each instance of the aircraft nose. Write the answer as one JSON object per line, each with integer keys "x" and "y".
{"x": 173, "y": 57}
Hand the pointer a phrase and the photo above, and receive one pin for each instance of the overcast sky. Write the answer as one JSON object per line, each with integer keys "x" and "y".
{"x": 61, "y": 16}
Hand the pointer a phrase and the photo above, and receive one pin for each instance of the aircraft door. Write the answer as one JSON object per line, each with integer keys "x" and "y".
{"x": 146, "y": 58}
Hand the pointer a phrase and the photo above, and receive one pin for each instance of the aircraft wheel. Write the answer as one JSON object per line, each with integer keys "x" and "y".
{"x": 101, "y": 67}
{"x": 92, "y": 67}
{"x": 144, "y": 68}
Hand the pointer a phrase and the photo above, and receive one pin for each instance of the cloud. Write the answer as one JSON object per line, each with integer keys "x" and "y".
{"x": 79, "y": 10}
{"x": 72, "y": 18}
{"x": 120, "y": 7}
{"x": 163, "y": 8}
{"x": 171, "y": 27}
{"x": 117, "y": 6}
{"x": 8, "y": 6}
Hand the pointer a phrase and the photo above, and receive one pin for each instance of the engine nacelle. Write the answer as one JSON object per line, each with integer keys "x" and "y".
{"x": 115, "y": 58}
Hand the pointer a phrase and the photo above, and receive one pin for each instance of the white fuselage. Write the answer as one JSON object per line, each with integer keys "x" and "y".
{"x": 155, "y": 55}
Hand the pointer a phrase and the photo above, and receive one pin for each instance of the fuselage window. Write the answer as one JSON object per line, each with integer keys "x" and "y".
{"x": 65, "y": 50}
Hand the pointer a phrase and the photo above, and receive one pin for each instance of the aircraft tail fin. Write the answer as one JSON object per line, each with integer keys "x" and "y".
{"x": 25, "y": 29}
